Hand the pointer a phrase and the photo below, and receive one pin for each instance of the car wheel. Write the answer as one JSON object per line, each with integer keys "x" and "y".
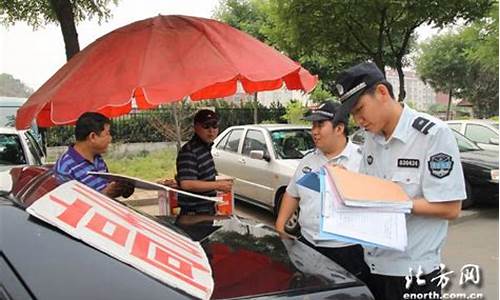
{"x": 469, "y": 202}
{"x": 292, "y": 226}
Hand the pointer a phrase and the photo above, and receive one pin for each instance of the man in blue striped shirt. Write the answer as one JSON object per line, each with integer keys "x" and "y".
{"x": 93, "y": 136}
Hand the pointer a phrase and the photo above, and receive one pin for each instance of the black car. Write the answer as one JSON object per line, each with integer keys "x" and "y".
{"x": 480, "y": 169}
{"x": 236, "y": 258}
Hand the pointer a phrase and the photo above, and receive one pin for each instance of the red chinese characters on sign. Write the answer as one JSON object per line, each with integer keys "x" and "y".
{"x": 128, "y": 236}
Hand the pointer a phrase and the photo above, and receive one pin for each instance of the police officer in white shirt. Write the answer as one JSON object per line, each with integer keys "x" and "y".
{"x": 420, "y": 153}
{"x": 332, "y": 147}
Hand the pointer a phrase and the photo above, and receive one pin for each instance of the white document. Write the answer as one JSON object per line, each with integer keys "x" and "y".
{"x": 386, "y": 229}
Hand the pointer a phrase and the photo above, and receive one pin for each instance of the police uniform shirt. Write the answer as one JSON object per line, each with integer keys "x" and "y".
{"x": 421, "y": 156}
{"x": 309, "y": 200}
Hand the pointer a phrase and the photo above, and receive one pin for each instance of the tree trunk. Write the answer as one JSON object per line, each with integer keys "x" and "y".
{"x": 449, "y": 106}
{"x": 66, "y": 18}
{"x": 379, "y": 61}
{"x": 178, "y": 137}
{"x": 255, "y": 109}
{"x": 401, "y": 75}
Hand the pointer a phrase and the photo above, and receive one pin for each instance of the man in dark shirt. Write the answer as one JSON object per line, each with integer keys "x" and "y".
{"x": 195, "y": 166}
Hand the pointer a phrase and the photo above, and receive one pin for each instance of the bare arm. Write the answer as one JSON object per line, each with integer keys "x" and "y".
{"x": 445, "y": 210}
{"x": 288, "y": 205}
{"x": 200, "y": 186}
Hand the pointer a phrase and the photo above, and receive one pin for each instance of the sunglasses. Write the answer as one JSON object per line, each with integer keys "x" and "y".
{"x": 213, "y": 126}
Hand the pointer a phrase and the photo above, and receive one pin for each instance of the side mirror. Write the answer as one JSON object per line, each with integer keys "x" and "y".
{"x": 259, "y": 154}
{"x": 494, "y": 141}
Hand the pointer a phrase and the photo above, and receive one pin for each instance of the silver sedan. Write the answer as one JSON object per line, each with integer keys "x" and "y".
{"x": 262, "y": 159}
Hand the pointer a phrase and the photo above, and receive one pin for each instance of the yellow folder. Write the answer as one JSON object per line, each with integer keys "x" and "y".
{"x": 357, "y": 189}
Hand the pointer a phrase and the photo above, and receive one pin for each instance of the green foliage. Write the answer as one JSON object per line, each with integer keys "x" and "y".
{"x": 245, "y": 15}
{"x": 483, "y": 38}
{"x": 40, "y": 12}
{"x": 12, "y": 87}
{"x": 320, "y": 94}
{"x": 139, "y": 128}
{"x": 347, "y": 32}
{"x": 294, "y": 112}
{"x": 465, "y": 63}
{"x": 443, "y": 63}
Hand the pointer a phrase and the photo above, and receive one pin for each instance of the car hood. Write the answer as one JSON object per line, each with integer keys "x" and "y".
{"x": 484, "y": 158}
{"x": 248, "y": 259}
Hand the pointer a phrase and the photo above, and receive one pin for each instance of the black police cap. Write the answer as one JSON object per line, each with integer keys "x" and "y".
{"x": 206, "y": 116}
{"x": 328, "y": 110}
{"x": 351, "y": 83}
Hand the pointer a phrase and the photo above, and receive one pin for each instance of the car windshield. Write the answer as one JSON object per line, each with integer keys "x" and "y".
{"x": 11, "y": 151}
{"x": 464, "y": 144}
{"x": 292, "y": 143}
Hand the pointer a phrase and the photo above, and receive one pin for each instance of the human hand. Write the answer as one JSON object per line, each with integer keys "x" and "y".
{"x": 224, "y": 185}
{"x": 168, "y": 182}
{"x": 112, "y": 190}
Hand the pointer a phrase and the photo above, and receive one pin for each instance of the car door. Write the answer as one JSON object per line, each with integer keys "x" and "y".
{"x": 482, "y": 135}
{"x": 256, "y": 178}
{"x": 227, "y": 156}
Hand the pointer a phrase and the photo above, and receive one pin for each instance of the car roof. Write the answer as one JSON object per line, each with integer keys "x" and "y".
{"x": 480, "y": 121}
{"x": 272, "y": 127}
{"x": 10, "y": 130}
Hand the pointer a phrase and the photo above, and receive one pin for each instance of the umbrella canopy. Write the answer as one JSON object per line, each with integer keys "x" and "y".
{"x": 156, "y": 61}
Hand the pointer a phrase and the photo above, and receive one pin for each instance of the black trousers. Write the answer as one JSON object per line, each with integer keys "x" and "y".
{"x": 350, "y": 258}
{"x": 394, "y": 287}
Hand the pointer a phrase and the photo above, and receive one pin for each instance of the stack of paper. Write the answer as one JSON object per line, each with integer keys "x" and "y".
{"x": 359, "y": 190}
{"x": 374, "y": 225}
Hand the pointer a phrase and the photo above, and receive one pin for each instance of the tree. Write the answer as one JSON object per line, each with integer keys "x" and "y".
{"x": 176, "y": 126}
{"x": 12, "y": 87}
{"x": 320, "y": 94}
{"x": 294, "y": 112}
{"x": 481, "y": 88}
{"x": 381, "y": 31}
{"x": 443, "y": 64}
{"x": 245, "y": 15}
{"x": 65, "y": 12}
{"x": 465, "y": 64}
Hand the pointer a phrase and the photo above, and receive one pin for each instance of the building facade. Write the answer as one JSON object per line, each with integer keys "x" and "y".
{"x": 421, "y": 95}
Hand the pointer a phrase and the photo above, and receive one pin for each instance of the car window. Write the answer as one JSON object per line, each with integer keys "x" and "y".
{"x": 254, "y": 140}
{"x": 233, "y": 140}
{"x": 33, "y": 150}
{"x": 35, "y": 144}
{"x": 479, "y": 133}
{"x": 223, "y": 141}
{"x": 11, "y": 151}
{"x": 464, "y": 144}
{"x": 455, "y": 126}
{"x": 292, "y": 143}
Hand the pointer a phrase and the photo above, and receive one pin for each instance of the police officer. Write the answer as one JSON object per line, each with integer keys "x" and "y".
{"x": 332, "y": 147}
{"x": 196, "y": 168}
{"x": 420, "y": 153}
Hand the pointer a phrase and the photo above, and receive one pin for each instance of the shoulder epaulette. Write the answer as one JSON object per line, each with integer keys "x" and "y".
{"x": 423, "y": 125}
